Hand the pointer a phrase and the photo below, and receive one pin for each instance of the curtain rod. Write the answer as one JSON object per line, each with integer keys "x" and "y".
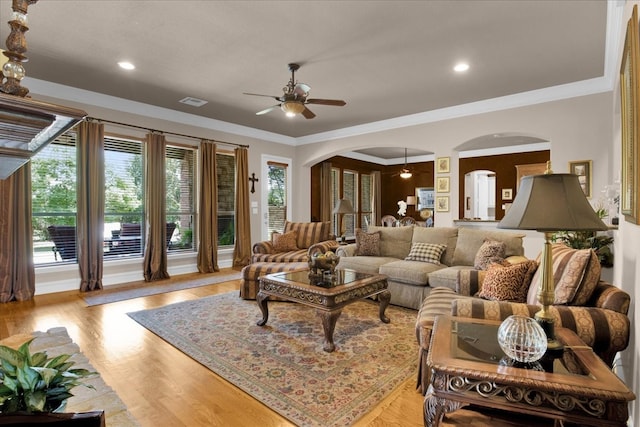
{"x": 164, "y": 132}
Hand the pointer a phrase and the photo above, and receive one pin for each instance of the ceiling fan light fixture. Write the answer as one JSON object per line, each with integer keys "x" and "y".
{"x": 405, "y": 174}
{"x": 292, "y": 108}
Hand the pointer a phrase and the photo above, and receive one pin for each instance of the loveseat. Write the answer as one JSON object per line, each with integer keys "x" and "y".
{"x": 595, "y": 310}
{"x": 398, "y": 253}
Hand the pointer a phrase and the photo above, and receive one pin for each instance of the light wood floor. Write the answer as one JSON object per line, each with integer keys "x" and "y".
{"x": 160, "y": 385}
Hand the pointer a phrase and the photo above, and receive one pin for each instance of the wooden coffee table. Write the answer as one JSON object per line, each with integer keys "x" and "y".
{"x": 468, "y": 367}
{"x": 328, "y": 296}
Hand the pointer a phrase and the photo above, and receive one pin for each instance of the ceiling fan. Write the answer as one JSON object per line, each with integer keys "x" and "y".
{"x": 405, "y": 172}
{"x": 294, "y": 99}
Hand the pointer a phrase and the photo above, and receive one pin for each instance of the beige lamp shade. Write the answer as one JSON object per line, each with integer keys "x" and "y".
{"x": 344, "y": 206}
{"x": 551, "y": 202}
{"x": 411, "y": 200}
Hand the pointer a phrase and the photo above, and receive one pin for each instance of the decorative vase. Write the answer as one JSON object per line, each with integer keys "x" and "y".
{"x": 522, "y": 339}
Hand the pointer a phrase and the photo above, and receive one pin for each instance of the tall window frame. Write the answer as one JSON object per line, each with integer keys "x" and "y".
{"x": 226, "y": 182}
{"x": 181, "y": 185}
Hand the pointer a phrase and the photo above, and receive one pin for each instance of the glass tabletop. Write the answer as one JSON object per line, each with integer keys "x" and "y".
{"x": 339, "y": 278}
{"x": 479, "y": 342}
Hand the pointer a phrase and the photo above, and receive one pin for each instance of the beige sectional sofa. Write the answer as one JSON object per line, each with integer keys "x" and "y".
{"x": 411, "y": 281}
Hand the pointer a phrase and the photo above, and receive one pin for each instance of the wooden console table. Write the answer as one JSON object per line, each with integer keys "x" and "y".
{"x": 468, "y": 367}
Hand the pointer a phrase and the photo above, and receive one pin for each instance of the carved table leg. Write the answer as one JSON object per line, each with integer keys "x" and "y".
{"x": 436, "y": 407}
{"x": 329, "y": 320}
{"x": 262, "y": 303}
{"x": 384, "y": 298}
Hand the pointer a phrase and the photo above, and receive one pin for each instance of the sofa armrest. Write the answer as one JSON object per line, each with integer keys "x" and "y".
{"x": 605, "y": 331}
{"x": 609, "y": 297}
{"x": 265, "y": 247}
{"x": 322, "y": 247}
{"x": 346, "y": 250}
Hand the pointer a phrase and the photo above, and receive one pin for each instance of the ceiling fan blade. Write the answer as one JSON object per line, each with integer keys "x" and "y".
{"x": 266, "y": 110}
{"x": 308, "y": 114}
{"x": 336, "y": 102}
{"x": 277, "y": 98}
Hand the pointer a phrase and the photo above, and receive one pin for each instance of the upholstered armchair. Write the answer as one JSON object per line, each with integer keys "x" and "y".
{"x": 296, "y": 243}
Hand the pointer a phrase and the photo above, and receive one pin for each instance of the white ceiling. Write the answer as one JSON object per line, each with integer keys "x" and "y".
{"x": 386, "y": 59}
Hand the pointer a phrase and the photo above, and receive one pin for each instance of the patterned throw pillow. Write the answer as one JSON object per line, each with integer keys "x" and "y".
{"x": 491, "y": 251}
{"x": 367, "y": 244}
{"x": 510, "y": 283}
{"x": 284, "y": 242}
{"x": 426, "y": 252}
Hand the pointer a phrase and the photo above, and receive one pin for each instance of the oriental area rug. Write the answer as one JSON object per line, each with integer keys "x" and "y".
{"x": 282, "y": 364}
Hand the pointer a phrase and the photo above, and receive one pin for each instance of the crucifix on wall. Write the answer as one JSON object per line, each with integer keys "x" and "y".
{"x": 253, "y": 180}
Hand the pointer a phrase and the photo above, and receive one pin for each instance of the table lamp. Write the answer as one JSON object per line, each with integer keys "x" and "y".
{"x": 344, "y": 206}
{"x": 548, "y": 203}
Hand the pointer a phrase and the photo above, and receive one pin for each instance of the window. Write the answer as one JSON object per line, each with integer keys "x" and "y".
{"x": 53, "y": 201}
{"x": 357, "y": 188}
{"x": 124, "y": 197}
{"x": 277, "y": 196}
{"x": 179, "y": 172}
{"x": 226, "y": 167}
{"x": 350, "y": 192}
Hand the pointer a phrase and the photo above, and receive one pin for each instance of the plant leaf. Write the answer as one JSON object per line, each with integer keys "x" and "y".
{"x": 35, "y": 400}
{"x": 38, "y": 359}
{"x": 27, "y": 378}
{"x": 11, "y": 384}
{"x": 47, "y": 374}
{"x": 57, "y": 361}
{"x": 11, "y": 356}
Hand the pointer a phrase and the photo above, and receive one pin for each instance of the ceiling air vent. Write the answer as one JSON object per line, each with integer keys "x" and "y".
{"x": 194, "y": 102}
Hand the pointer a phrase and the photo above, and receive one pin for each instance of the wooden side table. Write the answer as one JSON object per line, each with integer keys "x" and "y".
{"x": 468, "y": 367}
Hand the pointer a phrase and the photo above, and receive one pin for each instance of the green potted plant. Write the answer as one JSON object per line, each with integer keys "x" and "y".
{"x": 600, "y": 243}
{"x": 35, "y": 383}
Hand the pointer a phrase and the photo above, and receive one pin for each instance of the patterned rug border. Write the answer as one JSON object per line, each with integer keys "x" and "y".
{"x": 144, "y": 289}
{"x": 378, "y": 384}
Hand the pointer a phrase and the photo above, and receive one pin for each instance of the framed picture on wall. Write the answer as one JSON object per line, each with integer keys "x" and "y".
{"x": 507, "y": 194}
{"x": 442, "y": 204}
{"x": 629, "y": 200}
{"x": 442, "y": 165}
{"x": 582, "y": 168}
{"x": 442, "y": 184}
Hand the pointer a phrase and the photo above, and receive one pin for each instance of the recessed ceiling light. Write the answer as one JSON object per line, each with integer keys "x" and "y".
{"x": 461, "y": 67}
{"x": 126, "y": 65}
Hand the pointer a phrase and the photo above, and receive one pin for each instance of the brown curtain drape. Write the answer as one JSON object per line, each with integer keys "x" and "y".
{"x": 376, "y": 198}
{"x": 326, "y": 201}
{"x": 242, "y": 247}
{"x": 155, "y": 253}
{"x": 90, "y": 190}
{"x": 208, "y": 219}
{"x": 17, "y": 275}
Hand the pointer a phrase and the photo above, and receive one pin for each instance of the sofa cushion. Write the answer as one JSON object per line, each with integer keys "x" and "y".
{"x": 426, "y": 252}
{"x": 309, "y": 232}
{"x": 412, "y": 272}
{"x": 364, "y": 264}
{"x": 367, "y": 244}
{"x": 395, "y": 242}
{"x": 470, "y": 240}
{"x": 576, "y": 273}
{"x": 491, "y": 251}
{"x": 443, "y": 235}
{"x": 284, "y": 242}
{"x": 301, "y": 255}
{"x": 508, "y": 283}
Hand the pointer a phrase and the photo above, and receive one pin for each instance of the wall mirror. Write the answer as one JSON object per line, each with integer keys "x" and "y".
{"x": 480, "y": 195}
